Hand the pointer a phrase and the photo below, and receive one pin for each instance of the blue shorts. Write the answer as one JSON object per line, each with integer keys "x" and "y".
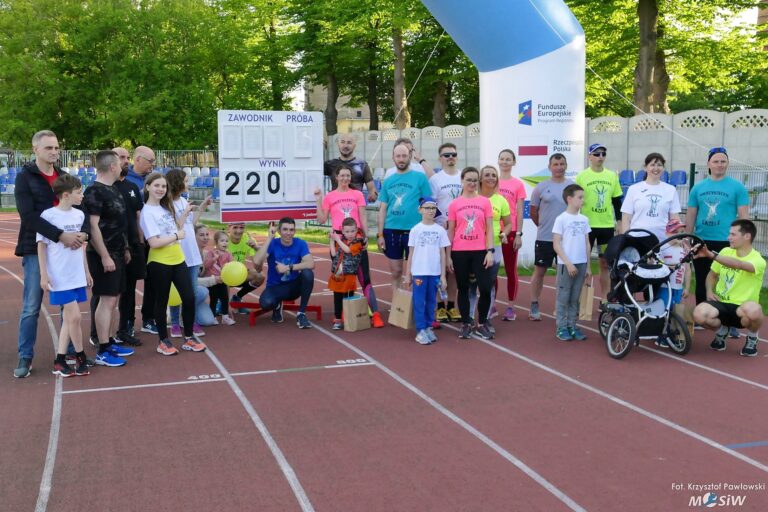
{"x": 66, "y": 296}
{"x": 396, "y": 243}
{"x": 677, "y": 295}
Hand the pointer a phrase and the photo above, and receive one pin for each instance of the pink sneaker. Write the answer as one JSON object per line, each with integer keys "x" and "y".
{"x": 509, "y": 315}
{"x": 197, "y": 330}
{"x": 175, "y": 331}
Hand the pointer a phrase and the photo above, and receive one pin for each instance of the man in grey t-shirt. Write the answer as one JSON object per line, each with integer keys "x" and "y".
{"x": 546, "y": 204}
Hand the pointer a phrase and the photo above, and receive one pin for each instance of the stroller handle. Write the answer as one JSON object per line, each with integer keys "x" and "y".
{"x": 695, "y": 239}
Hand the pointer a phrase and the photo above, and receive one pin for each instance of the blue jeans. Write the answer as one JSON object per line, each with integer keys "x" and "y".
{"x": 424, "y": 300}
{"x": 193, "y": 272}
{"x": 300, "y": 288}
{"x": 203, "y": 314}
{"x": 30, "y": 311}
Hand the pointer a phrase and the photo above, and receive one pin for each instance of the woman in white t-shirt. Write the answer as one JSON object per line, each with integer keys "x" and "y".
{"x": 166, "y": 264}
{"x": 178, "y": 183}
{"x": 650, "y": 204}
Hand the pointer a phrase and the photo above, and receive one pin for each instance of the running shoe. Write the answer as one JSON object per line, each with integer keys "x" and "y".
{"x": 422, "y": 337}
{"x": 24, "y": 368}
{"x": 235, "y": 298}
{"x": 661, "y": 342}
{"x": 192, "y": 345}
{"x": 466, "y": 331}
{"x": 227, "y": 320}
{"x": 338, "y": 324}
{"x": 123, "y": 337}
{"x": 454, "y": 315}
{"x": 118, "y": 350}
{"x": 176, "y": 331}
{"x": 442, "y": 315}
{"x": 577, "y": 334}
{"x": 490, "y": 326}
{"x": 62, "y": 370}
{"x": 750, "y": 347}
{"x": 376, "y": 320}
{"x": 493, "y": 313}
{"x": 563, "y": 334}
{"x": 197, "y": 330}
{"x": 94, "y": 341}
{"x": 107, "y": 358}
{"x": 302, "y": 321}
{"x": 718, "y": 343}
{"x": 166, "y": 348}
{"x": 149, "y": 326}
{"x": 509, "y": 315}
{"x": 277, "y": 314}
{"x": 81, "y": 368}
{"x": 483, "y": 331}
{"x": 72, "y": 361}
{"x": 534, "y": 313}
{"x": 432, "y": 335}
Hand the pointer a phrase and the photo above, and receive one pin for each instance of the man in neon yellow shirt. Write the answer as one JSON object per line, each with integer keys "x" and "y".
{"x": 243, "y": 249}
{"x": 602, "y": 200}
{"x": 733, "y": 288}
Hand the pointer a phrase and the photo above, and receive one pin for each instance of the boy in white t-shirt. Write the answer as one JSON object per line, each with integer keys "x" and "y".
{"x": 426, "y": 268}
{"x": 570, "y": 238}
{"x": 64, "y": 272}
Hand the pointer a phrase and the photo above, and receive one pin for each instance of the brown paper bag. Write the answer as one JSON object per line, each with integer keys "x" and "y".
{"x": 356, "y": 317}
{"x": 401, "y": 314}
{"x": 686, "y": 313}
{"x": 586, "y": 301}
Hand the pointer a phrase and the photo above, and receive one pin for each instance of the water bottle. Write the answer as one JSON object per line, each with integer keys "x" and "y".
{"x": 443, "y": 294}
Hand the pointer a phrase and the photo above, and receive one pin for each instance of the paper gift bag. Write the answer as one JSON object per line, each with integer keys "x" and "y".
{"x": 356, "y": 317}
{"x": 685, "y": 312}
{"x": 401, "y": 314}
{"x": 586, "y": 301}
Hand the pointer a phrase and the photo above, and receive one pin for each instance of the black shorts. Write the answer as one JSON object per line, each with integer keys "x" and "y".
{"x": 396, "y": 244}
{"x": 726, "y": 313}
{"x": 544, "y": 254}
{"x": 602, "y": 236}
{"x": 109, "y": 284}
{"x": 137, "y": 268}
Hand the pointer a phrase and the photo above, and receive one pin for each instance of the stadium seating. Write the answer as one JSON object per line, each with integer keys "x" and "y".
{"x": 678, "y": 178}
{"x": 626, "y": 177}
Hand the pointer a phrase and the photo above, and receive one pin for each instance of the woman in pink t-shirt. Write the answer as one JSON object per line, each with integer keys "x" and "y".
{"x": 342, "y": 203}
{"x": 470, "y": 230}
{"x": 513, "y": 190}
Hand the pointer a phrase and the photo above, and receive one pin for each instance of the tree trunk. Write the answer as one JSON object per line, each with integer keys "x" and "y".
{"x": 648, "y": 16}
{"x": 402, "y": 115}
{"x": 275, "y": 65}
{"x": 660, "y": 77}
{"x": 439, "y": 104}
{"x": 331, "y": 114}
{"x": 373, "y": 88}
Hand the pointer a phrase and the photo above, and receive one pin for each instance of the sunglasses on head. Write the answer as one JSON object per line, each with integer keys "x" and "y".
{"x": 449, "y": 155}
{"x": 714, "y": 151}
{"x": 599, "y": 153}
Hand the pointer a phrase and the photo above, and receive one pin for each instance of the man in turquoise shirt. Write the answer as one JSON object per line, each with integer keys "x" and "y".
{"x": 399, "y": 210}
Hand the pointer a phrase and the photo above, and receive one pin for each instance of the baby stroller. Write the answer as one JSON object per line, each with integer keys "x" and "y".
{"x": 636, "y": 267}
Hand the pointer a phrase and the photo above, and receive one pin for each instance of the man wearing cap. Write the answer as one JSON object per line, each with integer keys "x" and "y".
{"x": 602, "y": 202}
{"x": 733, "y": 288}
{"x": 399, "y": 210}
{"x": 713, "y": 204}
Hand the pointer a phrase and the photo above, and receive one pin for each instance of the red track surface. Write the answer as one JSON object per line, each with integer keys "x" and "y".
{"x": 372, "y": 421}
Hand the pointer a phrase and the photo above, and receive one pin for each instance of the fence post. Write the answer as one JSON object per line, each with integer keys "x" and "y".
{"x": 691, "y": 177}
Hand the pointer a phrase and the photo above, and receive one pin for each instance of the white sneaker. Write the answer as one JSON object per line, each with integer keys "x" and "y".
{"x": 227, "y": 320}
{"x": 422, "y": 338}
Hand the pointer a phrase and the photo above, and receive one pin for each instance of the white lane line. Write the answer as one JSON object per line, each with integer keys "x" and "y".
{"x": 530, "y": 472}
{"x": 648, "y": 414}
{"x": 277, "y": 453}
{"x": 212, "y": 379}
{"x": 46, "y": 481}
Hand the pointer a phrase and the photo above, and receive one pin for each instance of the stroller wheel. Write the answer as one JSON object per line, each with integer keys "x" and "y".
{"x": 678, "y": 335}
{"x": 620, "y": 336}
{"x": 603, "y": 322}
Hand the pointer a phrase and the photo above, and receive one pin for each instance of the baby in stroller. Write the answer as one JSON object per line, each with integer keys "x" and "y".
{"x": 636, "y": 266}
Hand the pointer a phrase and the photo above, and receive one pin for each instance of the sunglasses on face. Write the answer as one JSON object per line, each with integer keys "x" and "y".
{"x": 599, "y": 153}
{"x": 449, "y": 155}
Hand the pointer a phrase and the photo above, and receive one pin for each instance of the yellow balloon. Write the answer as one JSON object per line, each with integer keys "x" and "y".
{"x": 233, "y": 273}
{"x": 174, "y": 299}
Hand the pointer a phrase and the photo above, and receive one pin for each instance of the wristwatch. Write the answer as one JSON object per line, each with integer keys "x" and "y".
{"x": 715, "y": 254}
{"x": 518, "y": 233}
{"x": 290, "y": 267}
{"x": 422, "y": 160}
{"x": 491, "y": 250}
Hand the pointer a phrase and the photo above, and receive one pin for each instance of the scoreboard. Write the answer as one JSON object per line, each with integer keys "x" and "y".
{"x": 269, "y": 164}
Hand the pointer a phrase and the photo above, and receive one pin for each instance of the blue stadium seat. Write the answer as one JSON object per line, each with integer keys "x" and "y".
{"x": 199, "y": 182}
{"x": 208, "y": 181}
{"x": 678, "y": 178}
{"x": 665, "y": 176}
{"x": 215, "y": 172}
{"x": 624, "y": 189}
{"x": 626, "y": 177}
{"x": 640, "y": 176}
{"x": 215, "y": 194}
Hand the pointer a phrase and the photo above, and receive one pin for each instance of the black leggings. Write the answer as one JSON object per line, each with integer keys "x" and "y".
{"x": 338, "y": 302}
{"x": 701, "y": 267}
{"x": 162, "y": 276}
{"x": 219, "y": 292}
{"x": 464, "y": 264}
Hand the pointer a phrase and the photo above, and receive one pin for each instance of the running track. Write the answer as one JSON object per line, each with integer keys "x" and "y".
{"x": 275, "y": 419}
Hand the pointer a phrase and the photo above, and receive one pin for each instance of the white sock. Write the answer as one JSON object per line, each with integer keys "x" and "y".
{"x": 751, "y": 334}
